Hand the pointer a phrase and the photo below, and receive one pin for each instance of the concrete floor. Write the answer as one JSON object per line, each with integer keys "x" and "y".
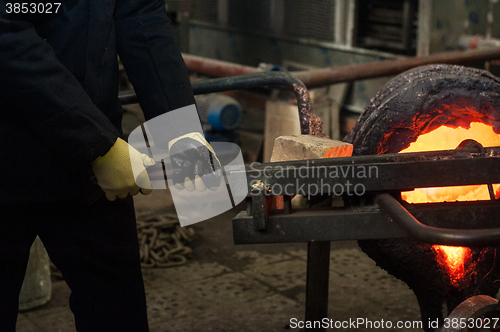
{"x": 225, "y": 287}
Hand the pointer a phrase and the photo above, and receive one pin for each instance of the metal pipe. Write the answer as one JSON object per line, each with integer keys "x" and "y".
{"x": 262, "y": 79}
{"x": 435, "y": 235}
{"x": 321, "y": 77}
{"x": 216, "y": 68}
{"x": 250, "y": 81}
{"x": 327, "y": 76}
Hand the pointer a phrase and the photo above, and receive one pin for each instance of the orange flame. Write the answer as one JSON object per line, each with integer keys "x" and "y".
{"x": 447, "y": 138}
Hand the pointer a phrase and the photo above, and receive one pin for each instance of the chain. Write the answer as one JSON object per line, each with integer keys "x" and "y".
{"x": 163, "y": 242}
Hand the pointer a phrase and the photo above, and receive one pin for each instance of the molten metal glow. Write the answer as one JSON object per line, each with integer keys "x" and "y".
{"x": 447, "y": 138}
{"x": 453, "y": 258}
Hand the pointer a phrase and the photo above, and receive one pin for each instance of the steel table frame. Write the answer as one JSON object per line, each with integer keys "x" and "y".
{"x": 362, "y": 218}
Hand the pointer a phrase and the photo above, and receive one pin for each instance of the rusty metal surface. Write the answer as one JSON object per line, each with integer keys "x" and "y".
{"x": 305, "y": 105}
{"x": 471, "y": 308}
{"x": 328, "y": 76}
{"x": 216, "y": 68}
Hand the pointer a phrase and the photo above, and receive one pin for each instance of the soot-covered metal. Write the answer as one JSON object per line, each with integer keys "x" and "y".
{"x": 414, "y": 103}
{"x": 422, "y": 99}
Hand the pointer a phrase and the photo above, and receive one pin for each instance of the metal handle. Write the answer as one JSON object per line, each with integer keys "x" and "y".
{"x": 434, "y": 235}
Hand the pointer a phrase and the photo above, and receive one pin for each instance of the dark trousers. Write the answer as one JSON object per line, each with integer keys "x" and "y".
{"x": 96, "y": 250}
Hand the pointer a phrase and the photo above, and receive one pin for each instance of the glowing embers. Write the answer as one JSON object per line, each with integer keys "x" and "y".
{"x": 454, "y": 259}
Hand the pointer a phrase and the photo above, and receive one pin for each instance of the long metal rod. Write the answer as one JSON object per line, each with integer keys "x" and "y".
{"x": 360, "y": 222}
{"x": 435, "y": 235}
{"x": 321, "y": 77}
{"x": 327, "y": 76}
{"x": 261, "y": 80}
{"x": 250, "y": 81}
{"x": 216, "y": 68}
{"x": 377, "y": 173}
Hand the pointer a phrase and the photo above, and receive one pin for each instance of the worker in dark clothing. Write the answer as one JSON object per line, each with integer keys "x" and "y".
{"x": 61, "y": 131}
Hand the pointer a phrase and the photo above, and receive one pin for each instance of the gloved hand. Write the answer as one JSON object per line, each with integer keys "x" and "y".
{"x": 197, "y": 164}
{"x": 115, "y": 171}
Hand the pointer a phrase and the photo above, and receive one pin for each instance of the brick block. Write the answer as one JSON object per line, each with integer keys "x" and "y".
{"x": 301, "y": 147}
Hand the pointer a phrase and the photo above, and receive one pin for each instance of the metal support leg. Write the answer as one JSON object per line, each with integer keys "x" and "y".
{"x": 318, "y": 264}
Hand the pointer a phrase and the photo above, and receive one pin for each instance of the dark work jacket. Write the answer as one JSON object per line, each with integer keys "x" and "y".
{"x": 59, "y": 86}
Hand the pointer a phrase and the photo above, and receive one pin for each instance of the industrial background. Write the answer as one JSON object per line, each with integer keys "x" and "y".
{"x": 197, "y": 278}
